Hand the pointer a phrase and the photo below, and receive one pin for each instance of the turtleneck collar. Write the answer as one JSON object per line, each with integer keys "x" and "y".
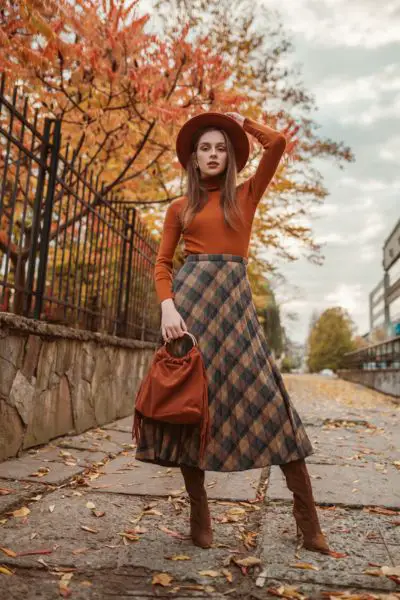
{"x": 213, "y": 182}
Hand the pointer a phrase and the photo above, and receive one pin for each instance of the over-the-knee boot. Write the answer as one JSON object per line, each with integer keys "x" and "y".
{"x": 304, "y": 510}
{"x": 200, "y": 519}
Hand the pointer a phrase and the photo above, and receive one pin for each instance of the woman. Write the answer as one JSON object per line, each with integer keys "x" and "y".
{"x": 253, "y": 423}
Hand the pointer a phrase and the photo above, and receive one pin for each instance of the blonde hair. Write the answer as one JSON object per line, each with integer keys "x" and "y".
{"x": 197, "y": 193}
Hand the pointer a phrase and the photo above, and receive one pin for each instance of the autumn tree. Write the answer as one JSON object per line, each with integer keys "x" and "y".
{"x": 120, "y": 93}
{"x": 330, "y": 339}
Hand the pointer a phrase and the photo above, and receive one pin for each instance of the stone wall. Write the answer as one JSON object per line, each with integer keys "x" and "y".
{"x": 55, "y": 380}
{"x": 383, "y": 380}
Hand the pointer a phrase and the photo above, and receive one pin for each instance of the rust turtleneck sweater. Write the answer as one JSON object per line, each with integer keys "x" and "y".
{"x": 208, "y": 233}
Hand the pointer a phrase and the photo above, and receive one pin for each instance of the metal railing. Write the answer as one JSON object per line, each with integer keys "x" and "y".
{"x": 384, "y": 355}
{"x": 70, "y": 253}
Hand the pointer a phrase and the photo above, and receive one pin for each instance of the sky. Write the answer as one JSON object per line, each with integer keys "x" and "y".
{"x": 349, "y": 52}
{"x": 349, "y": 55}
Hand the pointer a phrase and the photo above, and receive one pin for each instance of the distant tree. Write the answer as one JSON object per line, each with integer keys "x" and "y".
{"x": 330, "y": 339}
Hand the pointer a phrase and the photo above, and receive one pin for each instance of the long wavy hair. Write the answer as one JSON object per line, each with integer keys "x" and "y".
{"x": 197, "y": 193}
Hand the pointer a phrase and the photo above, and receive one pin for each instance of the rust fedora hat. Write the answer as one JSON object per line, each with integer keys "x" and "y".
{"x": 236, "y": 133}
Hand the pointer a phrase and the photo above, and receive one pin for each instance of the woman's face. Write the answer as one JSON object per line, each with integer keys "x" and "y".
{"x": 212, "y": 149}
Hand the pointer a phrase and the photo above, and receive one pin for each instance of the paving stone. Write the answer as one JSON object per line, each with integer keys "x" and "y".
{"x": 124, "y": 424}
{"x": 18, "y": 493}
{"x": 90, "y": 441}
{"x": 128, "y": 476}
{"x": 279, "y": 547}
{"x": 22, "y": 468}
{"x": 83, "y": 458}
{"x": 348, "y": 485}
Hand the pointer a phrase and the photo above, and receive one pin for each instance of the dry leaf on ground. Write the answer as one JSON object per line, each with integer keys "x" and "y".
{"x": 8, "y": 552}
{"x": 228, "y": 575}
{"x": 286, "y": 592}
{"x": 5, "y": 570}
{"x": 163, "y": 579}
{"x": 210, "y": 573}
{"x": 304, "y": 565}
{"x": 21, "y": 512}
{"x": 249, "y": 561}
{"x": 85, "y": 528}
{"x": 64, "y": 583}
{"x": 179, "y": 557}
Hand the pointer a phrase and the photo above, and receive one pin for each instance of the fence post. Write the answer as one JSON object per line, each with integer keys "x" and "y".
{"x": 130, "y": 227}
{"x": 48, "y": 209}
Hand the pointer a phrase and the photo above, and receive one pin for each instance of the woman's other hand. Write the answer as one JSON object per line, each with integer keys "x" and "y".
{"x": 237, "y": 117}
{"x": 172, "y": 324}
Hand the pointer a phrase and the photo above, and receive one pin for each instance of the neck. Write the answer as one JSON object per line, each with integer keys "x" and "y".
{"x": 213, "y": 182}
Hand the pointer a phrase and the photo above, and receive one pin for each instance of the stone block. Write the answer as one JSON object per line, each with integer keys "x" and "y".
{"x": 22, "y": 396}
{"x": 31, "y": 357}
{"x": 51, "y": 415}
{"x": 45, "y": 366}
{"x": 11, "y": 430}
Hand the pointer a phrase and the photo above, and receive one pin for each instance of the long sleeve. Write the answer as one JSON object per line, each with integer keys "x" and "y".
{"x": 274, "y": 144}
{"x": 163, "y": 268}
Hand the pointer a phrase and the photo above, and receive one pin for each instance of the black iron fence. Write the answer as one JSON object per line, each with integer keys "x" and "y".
{"x": 70, "y": 253}
{"x": 384, "y": 355}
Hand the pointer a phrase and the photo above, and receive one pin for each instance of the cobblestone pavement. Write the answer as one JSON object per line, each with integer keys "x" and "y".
{"x": 80, "y": 518}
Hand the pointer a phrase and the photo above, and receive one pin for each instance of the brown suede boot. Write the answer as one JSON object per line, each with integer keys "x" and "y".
{"x": 200, "y": 519}
{"x": 304, "y": 510}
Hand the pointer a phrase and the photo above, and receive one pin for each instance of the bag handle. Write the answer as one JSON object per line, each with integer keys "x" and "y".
{"x": 188, "y": 333}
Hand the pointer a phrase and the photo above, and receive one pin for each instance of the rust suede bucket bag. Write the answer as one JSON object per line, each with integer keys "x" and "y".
{"x": 174, "y": 390}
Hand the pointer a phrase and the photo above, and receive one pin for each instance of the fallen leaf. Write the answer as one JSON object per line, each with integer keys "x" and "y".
{"x": 21, "y": 512}
{"x": 90, "y": 504}
{"x": 163, "y": 579}
{"x": 89, "y": 529}
{"x": 337, "y": 554}
{"x": 5, "y": 570}
{"x": 8, "y": 552}
{"x": 129, "y": 536}
{"x": 156, "y": 513}
{"x": 381, "y": 511}
{"x": 304, "y": 565}
{"x": 249, "y": 539}
{"x": 249, "y": 561}
{"x": 52, "y": 507}
{"x": 228, "y": 575}
{"x": 286, "y": 592}
{"x": 172, "y": 533}
{"x": 64, "y": 583}
{"x": 41, "y": 472}
{"x": 210, "y": 573}
{"x": 6, "y": 491}
{"x": 179, "y": 557}
{"x": 32, "y": 552}
{"x": 98, "y": 513}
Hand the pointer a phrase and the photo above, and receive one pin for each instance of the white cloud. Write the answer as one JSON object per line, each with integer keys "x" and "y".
{"x": 350, "y": 297}
{"x": 362, "y": 100}
{"x": 390, "y": 150}
{"x": 327, "y": 23}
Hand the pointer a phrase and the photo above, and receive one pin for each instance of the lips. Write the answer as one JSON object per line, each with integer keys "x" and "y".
{"x": 212, "y": 164}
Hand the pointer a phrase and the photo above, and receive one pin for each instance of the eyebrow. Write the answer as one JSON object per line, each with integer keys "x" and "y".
{"x": 207, "y": 143}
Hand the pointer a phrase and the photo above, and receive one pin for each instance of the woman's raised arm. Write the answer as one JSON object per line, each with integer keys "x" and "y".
{"x": 274, "y": 144}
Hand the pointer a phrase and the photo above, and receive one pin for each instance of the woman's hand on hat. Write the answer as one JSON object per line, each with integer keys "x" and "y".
{"x": 237, "y": 117}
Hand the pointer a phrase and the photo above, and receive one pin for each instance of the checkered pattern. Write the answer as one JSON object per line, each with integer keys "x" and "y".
{"x": 253, "y": 422}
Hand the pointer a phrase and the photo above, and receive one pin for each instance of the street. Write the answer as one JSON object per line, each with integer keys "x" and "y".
{"x": 80, "y": 518}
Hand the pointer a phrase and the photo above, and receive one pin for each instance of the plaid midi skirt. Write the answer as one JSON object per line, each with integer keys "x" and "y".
{"x": 253, "y": 422}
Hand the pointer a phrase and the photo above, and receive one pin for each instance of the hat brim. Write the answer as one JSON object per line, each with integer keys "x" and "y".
{"x": 236, "y": 133}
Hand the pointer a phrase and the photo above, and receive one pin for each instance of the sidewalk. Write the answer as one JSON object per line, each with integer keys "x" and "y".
{"x": 80, "y": 518}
